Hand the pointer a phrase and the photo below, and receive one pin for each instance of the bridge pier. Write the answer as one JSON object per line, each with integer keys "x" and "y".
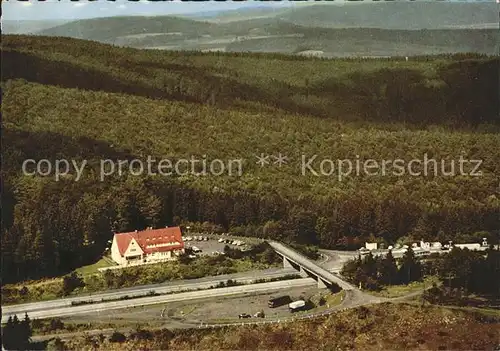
{"x": 321, "y": 284}
{"x": 286, "y": 263}
{"x": 303, "y": 273}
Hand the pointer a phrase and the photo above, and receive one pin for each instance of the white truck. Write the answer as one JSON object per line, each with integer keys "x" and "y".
{"x": 296, "y": 305}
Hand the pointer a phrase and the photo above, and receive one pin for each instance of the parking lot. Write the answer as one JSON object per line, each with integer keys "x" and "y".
{"x": 213, "y": 245}
{"x": 212, "y": 310}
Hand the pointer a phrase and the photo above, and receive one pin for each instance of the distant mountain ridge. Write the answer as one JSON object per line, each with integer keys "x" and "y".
{"x": 322, "y": 28}
{"x": 243, "y": 13}
{"x": 29, "y": 26}
{"x": 107, "y": 29}
{"x": 395, "y": 15}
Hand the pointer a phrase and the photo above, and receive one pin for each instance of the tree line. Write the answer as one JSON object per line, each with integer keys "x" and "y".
{"x": 16, "y": 334}
{"x": 374, "y": 272}
{"x": 464, "y": 273}
{"x": 460, "y": 271}
{"x": 74, "y": 230}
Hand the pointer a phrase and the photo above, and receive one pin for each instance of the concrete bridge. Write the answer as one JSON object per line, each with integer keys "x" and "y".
{"x": 308, "y": 268}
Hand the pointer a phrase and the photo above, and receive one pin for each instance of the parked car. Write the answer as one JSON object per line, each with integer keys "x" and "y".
{"x": 259, "y": 314}
{"x": 244, "y": 315}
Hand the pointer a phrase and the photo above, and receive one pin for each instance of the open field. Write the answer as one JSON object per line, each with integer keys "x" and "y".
{"x": 104, "y": 262}
{"x": 401, "y": 290}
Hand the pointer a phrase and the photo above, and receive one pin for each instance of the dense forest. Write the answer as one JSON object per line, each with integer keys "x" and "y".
{"x": 78, "y": 100}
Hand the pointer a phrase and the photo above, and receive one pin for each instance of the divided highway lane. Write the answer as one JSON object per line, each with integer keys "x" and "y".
{"x": 151, "y": 300}
{"x": 164, "y": 288}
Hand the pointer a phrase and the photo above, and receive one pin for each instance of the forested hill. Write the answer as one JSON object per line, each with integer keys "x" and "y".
{"x": 277, "y": 35}
{"x": 421, "y": 91}
{"x": 330, "y": 30}
{"x": 80, "y": 100}
{"x": 109, "y": 28}
{"x": 396, "y": 14}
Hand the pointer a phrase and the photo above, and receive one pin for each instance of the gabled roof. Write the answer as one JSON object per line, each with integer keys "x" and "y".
{"x": 152, "y": 240}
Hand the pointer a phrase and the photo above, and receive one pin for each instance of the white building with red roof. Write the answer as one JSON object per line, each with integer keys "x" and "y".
{"x": 147, "y": 245}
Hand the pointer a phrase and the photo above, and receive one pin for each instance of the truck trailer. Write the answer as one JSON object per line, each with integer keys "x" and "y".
{"x": 297, "y": 305}
{"x": 279, "y": 301}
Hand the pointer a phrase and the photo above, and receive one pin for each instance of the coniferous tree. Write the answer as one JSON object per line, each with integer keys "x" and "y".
{"x": 350, "y": 270}
{"x": 8, "y": 334}
{"x": 369, "y": 266}
{"x": 25, "y": 331}
{"x": 491, "y": 273}
{"x": 410, "y": 269}
{"x": 388, "y": 270}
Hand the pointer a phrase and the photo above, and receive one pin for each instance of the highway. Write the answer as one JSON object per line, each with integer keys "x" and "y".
{"x": 353, "y": 298}
{"x": 164, "y": 288}
{"x": 151, "y": 300}
{"x": 331, "y": 262}
{"x": 187, "y": 289}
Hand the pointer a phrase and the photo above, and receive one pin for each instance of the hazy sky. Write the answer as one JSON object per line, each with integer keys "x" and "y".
{"x": 64, "y": 9}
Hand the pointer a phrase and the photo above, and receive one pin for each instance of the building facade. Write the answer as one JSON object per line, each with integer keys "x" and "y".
{"x": 147, "y": 246}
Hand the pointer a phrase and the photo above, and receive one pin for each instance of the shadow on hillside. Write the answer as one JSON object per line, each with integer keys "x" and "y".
{"x": 19, "y": 146}
{"x": 463, "y": 92}
{"x": 195, "y": 85}
{"x": 20, "y": 65}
